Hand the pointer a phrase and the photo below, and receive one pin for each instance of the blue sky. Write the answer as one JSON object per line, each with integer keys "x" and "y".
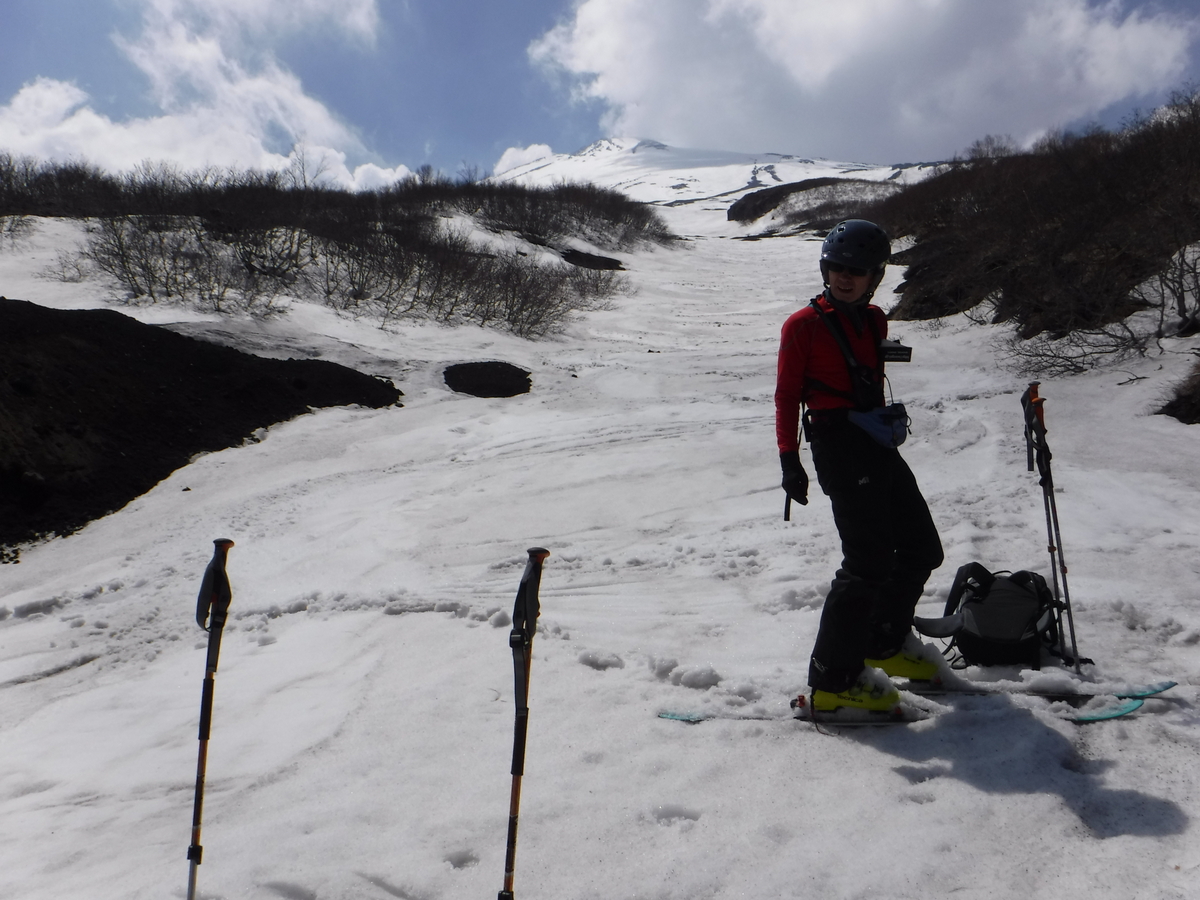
{"x": 372, "y": 89}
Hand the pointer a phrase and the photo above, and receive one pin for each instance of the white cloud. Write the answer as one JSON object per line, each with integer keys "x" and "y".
{"x": 518, "y": 156}
{"x": 223, "y": 104}
{"x": 257, "y": 18}
{"x": 865, "y": 80}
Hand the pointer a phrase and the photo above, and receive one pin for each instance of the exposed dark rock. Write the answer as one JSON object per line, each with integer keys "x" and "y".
{"x": 590, "y": 260}
{"x": 96, "y": 408}
{"x": 1185, "y": 405}
{"x": 757, "y": 204}
{"x": 487, "y": 379}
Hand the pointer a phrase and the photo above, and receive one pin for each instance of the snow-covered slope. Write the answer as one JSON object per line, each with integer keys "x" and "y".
{"x": 363, "y": 725}
{"x": 696, "y": 183}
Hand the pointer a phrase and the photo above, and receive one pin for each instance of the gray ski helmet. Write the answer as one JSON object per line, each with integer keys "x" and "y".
{"x": 856, "y": 243}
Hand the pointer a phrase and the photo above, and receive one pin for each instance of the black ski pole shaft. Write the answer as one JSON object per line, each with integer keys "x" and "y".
{"x": 1038, "y": 453}
{"x": 520, "y": 639}
{"x": 212, "y": 608}
{"x": 1056, "y": 546}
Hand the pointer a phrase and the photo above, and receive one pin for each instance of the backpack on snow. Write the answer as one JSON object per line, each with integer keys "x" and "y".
{"x": 1007, "y": 617}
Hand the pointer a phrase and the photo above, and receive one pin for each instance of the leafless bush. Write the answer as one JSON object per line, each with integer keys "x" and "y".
{"x": 13, "y": 229}
{"x": 605, "y": 217}
{"x": 595, "y": 287}
{"x": 1175, "y": 290}
{"x": 529, "y": 299}
{"x": 447, "y": 274}
{"x": 1078, "y": 243}
{"x": 69, "y": 267}
{"x": 362, "y": 275}
{"x": 173, "y": 259}
{"x": 232, "y": 241}
{"x": 1082, "y": 349}
{"x": 278, "y": 254}
{"x": 824, "y": 205}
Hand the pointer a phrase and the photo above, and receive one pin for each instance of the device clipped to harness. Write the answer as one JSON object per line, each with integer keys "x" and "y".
{"x": 894, "y": 351}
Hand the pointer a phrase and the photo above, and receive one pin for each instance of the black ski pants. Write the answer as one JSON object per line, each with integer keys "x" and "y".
{"x": 889, "y": 548}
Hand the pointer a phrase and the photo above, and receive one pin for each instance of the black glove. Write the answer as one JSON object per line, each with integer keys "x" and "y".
{"x": 795, "y": 479}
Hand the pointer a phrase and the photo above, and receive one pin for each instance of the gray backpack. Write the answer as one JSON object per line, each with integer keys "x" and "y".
{"x": 1007, "y": 618}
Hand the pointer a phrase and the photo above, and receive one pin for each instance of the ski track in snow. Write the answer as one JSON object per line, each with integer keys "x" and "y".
{"x": 363, "y": 722}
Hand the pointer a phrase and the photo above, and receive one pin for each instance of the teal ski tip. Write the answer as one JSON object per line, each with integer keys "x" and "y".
{"x": 1149, "y": 690}
{"x": 1123, "y": 707}
{"x": 690, "y": 718}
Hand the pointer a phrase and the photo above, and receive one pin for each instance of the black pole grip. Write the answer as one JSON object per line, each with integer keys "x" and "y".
{"x": 527, "y": 607}
{"x": 212, "y": 605}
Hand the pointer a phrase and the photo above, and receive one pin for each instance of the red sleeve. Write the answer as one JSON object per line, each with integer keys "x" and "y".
{"x": 794, "y": 347}
{"x": 881, "y": 320}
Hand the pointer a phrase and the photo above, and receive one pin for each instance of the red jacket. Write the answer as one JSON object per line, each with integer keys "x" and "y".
{"x": 809, "y": 353}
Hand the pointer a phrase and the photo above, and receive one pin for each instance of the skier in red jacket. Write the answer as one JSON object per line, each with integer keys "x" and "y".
{"x": 830, "y": 361}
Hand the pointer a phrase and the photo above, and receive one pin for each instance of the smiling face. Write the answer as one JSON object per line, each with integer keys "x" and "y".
{"x": 846, "y": 284}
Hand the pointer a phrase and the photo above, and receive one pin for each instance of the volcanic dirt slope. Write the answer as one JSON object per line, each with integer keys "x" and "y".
{"x": 96, "y": 408}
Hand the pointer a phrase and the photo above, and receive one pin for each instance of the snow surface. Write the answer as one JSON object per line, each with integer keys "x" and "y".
{"x": 362, "y": 731}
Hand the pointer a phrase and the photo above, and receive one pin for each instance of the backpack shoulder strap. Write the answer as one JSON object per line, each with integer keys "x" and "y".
{"x": 862, "y": 378}
{"x": 973, "y": 576}
{"x": 839, "y": 333}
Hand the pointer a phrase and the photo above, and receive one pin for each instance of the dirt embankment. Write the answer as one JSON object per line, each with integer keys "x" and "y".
{"x": 96, "y": 408}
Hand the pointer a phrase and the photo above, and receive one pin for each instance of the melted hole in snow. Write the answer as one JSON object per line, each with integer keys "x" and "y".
{"x": 462, "y": 859}
{"x": 671, "y": 812}
{"x": 600, "y": 661}
{"x": 487, "y": 379}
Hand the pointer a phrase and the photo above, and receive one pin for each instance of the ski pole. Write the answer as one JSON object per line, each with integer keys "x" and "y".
{"x": 520, "y": 639}
{"x": 212, "y": 606}
{"x": 1038, "y": 453}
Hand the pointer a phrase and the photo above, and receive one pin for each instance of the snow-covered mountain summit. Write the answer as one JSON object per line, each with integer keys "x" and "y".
{"x": 652, "y": 172}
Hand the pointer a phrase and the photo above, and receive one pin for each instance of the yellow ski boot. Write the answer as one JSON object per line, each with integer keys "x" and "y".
{"x": 872, "y": 693}
{"x": 912, "y": 662}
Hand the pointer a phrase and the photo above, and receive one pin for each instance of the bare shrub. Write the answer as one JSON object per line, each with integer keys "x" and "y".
{"x": 1175, "y": 290}
{"x": 173, "y": 259}
{"x": 13, "y": 229}
{"x": 1083, "y": 349}
{"x": 69, "y": 267}
{"x": 993, "y": 146}
{"x": 824, "y": 205}
{"x": 602, "y": 216}
{"x": 230, "y": 241}
{"x": 529, "y": 299}
{"x": 1067, "y": 242}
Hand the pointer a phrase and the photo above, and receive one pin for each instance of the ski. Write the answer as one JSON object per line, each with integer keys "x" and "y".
{"x": 690, "y": 718}
{"x": 802, "y": 712}
{"x": 1125, "y": 701}
{"x": 1079, "y": 697}
{"x": 694, "y": 718}
{"x": 1122, "y": 707}
{"x": 855, "y": 718}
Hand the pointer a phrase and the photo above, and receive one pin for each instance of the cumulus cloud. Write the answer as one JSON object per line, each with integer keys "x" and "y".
{"x": 519, "y": 156}
{"x": 863, "y": 80}
{"x": 222, "y": 103}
